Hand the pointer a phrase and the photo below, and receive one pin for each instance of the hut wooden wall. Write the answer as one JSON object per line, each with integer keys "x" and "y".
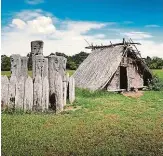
{"x": 134, "y": 78}
{"x": 115, "y": 81}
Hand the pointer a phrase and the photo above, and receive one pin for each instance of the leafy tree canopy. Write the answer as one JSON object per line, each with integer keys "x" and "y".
{"x": 74, "y": 61}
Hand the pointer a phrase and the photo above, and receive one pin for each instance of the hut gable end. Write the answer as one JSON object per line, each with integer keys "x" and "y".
{"x": 112, "y": 68}
{"x": 98, "y": 68}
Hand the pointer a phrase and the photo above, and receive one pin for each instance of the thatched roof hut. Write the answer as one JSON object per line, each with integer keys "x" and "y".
{"x": 113, "y": 67}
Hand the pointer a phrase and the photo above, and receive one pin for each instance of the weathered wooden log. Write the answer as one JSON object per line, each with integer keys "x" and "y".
{"x": 58, "y": 84}
{"x": 4, "y": 91}
{"x": 56, "y": 77}
{"x": 19, "y": 98}
{"x": 12, "y": 91}
{"x": 37, "y": 95}
{"x": 57, "y": 63}
{"x": 62, "y": 66}
{"x": 64, "y": 92}
{"x": 53, "y": 65}
{"x": 41, "y": 66}
{"x": 36, "y": 49}
{"x": 24, "y": 67}
{"x": 71, "y": 89}
{"x": 15, "y": 65}
{"x": 28, "y": 94}
{"x": 111, "y": 45}
{"x": 67, "y": 78}
{"x": 45, "y": 94}
{"x": 56, "y": 92}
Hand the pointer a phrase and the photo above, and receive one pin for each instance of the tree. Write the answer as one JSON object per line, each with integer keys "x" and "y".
{"x": 73, "y": 62}
{"x": 154, "y": 63}
{"x": 5, "y": 63}
{"x": 79, "y": 58}
{"x": 61, "y": 54}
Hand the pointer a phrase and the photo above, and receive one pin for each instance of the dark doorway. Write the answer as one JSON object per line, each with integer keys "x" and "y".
{"x": 147, "y": 77}
{"x": 123, "y": 77}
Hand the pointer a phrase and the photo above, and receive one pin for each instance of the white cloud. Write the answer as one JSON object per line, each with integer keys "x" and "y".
{"x": 152, "y": 26}
{"x": 83, "y": 27}
{"x": 28, "y": 26}
{"x": 136, "y": 35}
{"x": 41, "y": 25}
{"x": 18, "y": 23}
{"x": 31, "y": 14}
{"x": 151, "y": 48}
{"x": 64, "y": 35}
{"x": 34, "y": 2}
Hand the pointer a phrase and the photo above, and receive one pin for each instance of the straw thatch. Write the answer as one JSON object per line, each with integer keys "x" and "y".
{"x": 99, "y": 67}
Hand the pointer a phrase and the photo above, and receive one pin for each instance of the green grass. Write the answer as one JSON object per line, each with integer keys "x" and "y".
{"x": 105, "y": 124}
{"x": 71, "y": 72}
{"x": 159, "y": 73}
{"x": 8, "y": 73}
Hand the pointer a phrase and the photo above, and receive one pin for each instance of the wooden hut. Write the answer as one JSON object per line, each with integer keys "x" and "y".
{"x": 113, "y": 67}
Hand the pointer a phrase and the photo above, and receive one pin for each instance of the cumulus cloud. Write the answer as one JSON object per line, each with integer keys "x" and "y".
{"x": 31, "y": 14}
{"x": 41, "y": 25}
{"x": 136, "y": 35}
{"x": 66, "y": 36}
{"x": 83, "y": 27}
{"x": 18, "y": 23}
{"x": 34, "y": 2}
{"x": 151, "y": 48}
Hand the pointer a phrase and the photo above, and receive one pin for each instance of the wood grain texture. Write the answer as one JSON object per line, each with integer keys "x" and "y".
{"x": 37, "y": 95}
{"x": 4, "y": 91}
{"x": 28, "y": 95}
{"x": 12, "y": 91}
{"x": 45, "y": 94}
{"x": 19, "y": 98}
{"x": 71, "y": 89}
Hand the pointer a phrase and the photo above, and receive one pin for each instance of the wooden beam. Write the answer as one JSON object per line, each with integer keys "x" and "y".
{"x": 111, "y": 45}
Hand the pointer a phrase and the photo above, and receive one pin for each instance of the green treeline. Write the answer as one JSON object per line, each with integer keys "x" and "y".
{"x": 154, "y": 62}
{"x": 74, "y": 61}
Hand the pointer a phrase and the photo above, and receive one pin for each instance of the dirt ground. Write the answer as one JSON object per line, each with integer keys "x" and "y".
{"x": 133, "y": 94}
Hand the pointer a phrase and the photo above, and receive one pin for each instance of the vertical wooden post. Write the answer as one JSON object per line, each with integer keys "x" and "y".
{"x": 71, "y": 89}
{"x": 28, "y": 95}
{"x": 45, "y": 94}
{"x": 12, "y": 91}
{"x": 19, "y": 98}
{"x": 4, "y": 91}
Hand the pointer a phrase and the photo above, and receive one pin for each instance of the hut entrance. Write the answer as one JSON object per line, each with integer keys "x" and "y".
{"x": 123, "y": 77}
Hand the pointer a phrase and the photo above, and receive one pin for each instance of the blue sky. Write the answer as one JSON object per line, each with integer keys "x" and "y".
{"x": 64, "y": 24}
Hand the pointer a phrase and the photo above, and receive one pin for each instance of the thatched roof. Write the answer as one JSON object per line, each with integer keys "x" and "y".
{"x": 98, "y": 68}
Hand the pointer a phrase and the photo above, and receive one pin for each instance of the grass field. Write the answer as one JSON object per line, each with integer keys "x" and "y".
{"x": 8, "y": 73}
{"x": 159, "y": 73}
{"x": 97, "y": 124}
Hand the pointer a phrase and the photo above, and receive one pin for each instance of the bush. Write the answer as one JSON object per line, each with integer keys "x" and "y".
{"x": 156, "y": 84}
{"x": 5, "y": 63}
